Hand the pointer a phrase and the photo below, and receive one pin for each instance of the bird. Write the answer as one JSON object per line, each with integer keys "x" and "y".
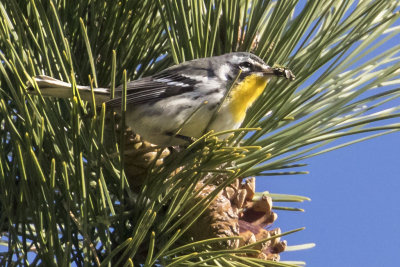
{"x": 181, "y": 103}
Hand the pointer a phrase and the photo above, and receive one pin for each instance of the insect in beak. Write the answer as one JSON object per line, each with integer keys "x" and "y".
{"x": 279, "y": 72}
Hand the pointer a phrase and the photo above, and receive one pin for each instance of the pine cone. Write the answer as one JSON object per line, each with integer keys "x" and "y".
{"x": 233, "y": 212}
{"x": 139, "y": 155}
{"x": 219, "y": 220}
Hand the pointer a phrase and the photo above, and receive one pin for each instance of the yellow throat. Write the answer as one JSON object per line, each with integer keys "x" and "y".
{"x": 244, "y": 94}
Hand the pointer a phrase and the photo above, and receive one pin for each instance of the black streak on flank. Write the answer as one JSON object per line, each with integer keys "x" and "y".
{"x": 196, "y": 97}
{"x": 182, "y": 108}
{"x": 213, "y": 106}
{"x": 152, "y": 112}
{"x": 215, "y": 91}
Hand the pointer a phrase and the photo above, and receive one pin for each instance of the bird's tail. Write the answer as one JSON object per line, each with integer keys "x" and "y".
{"x": 49, "y": 86}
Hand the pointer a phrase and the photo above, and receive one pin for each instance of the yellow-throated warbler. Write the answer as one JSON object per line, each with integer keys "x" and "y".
{"x": 186, "y": 100}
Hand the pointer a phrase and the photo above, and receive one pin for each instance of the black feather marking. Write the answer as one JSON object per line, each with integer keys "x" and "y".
{"x": 215, "y": 91}
{"x": 182, "y": 108}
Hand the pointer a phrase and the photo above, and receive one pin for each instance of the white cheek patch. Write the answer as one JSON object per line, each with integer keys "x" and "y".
{"x": 223, "y": 71}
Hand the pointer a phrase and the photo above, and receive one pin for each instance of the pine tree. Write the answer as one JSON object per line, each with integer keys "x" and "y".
{"x": 79, "y": 188}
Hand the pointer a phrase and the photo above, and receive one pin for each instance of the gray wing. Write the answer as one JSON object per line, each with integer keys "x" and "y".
{"x": 172, "y": 81}
{"x": 153, "y": 88}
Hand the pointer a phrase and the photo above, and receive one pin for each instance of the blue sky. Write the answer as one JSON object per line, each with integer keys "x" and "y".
{"x": 354, "y": 215}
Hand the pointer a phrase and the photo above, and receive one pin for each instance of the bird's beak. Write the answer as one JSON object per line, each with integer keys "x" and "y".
{"x": 279, "y": 72}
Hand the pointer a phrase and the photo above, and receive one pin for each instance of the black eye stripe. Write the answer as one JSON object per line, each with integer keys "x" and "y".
{"x": 246, "y": 64}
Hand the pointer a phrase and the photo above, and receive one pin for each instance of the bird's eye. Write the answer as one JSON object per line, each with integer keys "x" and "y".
{"x": 245, "y": 65}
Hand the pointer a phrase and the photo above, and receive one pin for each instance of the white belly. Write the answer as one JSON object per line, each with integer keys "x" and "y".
{"x": 154, "y": 121}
